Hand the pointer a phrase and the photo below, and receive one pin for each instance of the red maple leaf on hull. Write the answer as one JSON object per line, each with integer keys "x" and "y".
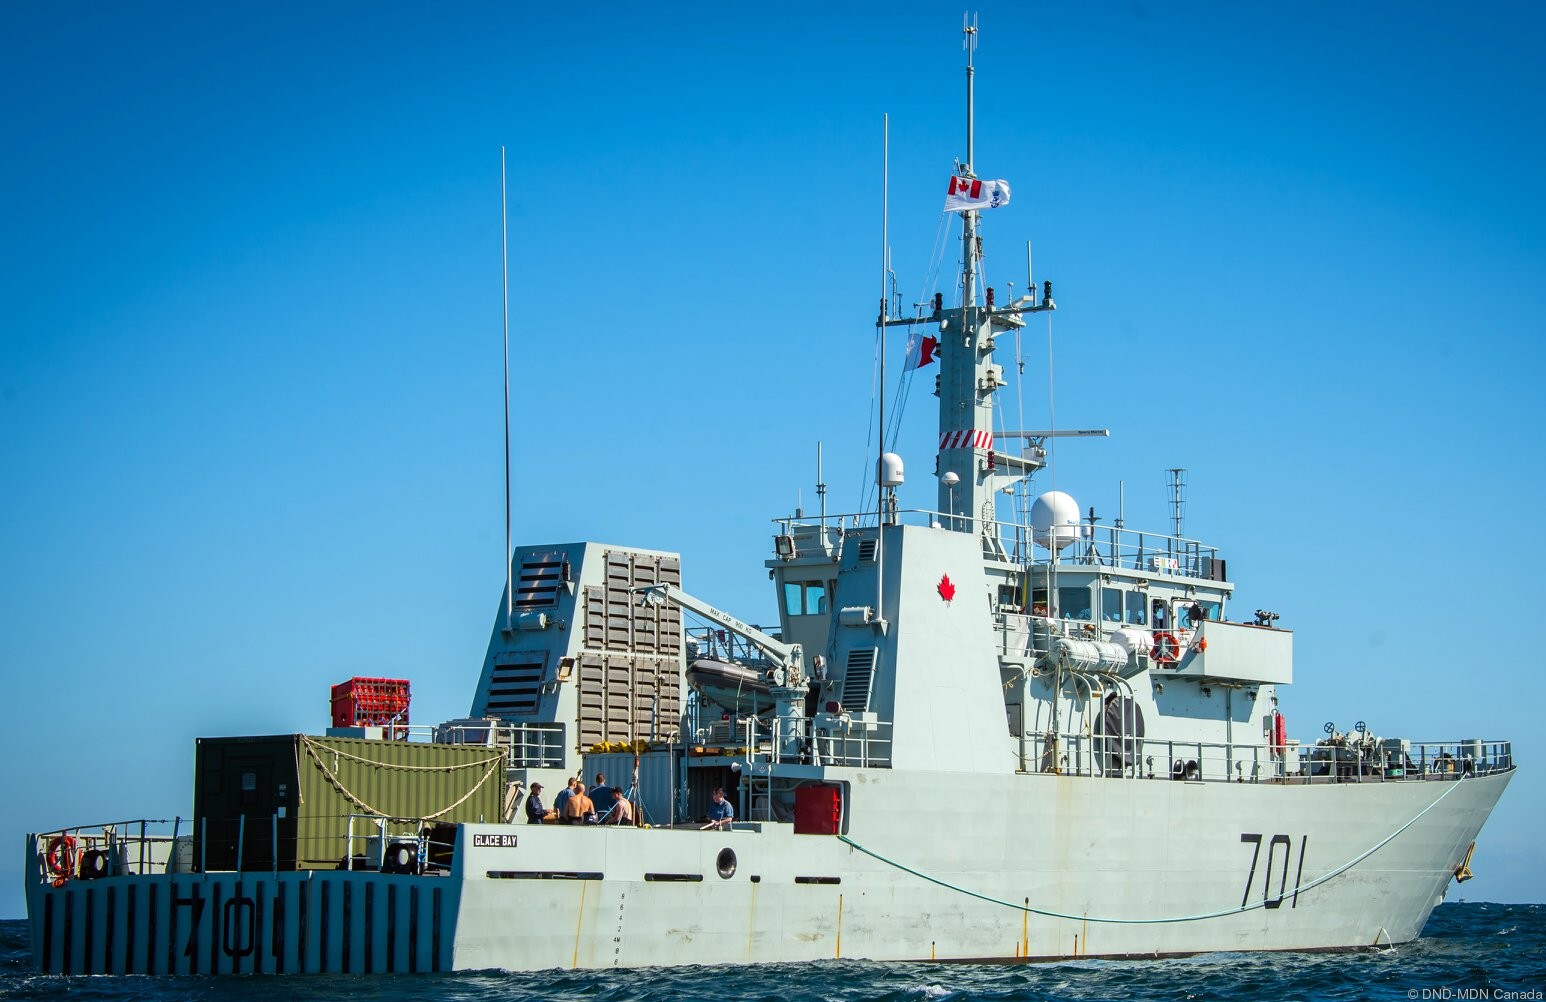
{"x": 947, "y": 589}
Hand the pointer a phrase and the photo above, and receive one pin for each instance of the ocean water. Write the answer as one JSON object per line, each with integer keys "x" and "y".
{"x": 1468, "y": 951}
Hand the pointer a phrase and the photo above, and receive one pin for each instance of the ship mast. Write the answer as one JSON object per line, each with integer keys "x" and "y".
{"x": 969, "y": 217}
{"x": 968, "y": 377}
{"x": 967, "y": 372}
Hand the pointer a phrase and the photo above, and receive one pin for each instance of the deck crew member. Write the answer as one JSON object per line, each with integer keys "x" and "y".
{"x": 535, "y": 812}
{"x": 578, "y": 809}
{"x": 563, "y": 796}
{"x": 601, "y": 795}
{"x": 622, "y": 811}
{"x": 721, "y": 814}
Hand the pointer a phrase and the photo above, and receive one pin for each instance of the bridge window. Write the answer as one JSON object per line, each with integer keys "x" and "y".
{"x": 1135, "y": 609}
{"x": 1074, "y": 602}
{"x": 1111, "y": 605}
{"x": 806, "y": 598}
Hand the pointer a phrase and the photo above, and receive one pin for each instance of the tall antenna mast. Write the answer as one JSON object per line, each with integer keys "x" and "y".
{"x": 880, "y": 462}
{"x": 1177, "y": 499}
{"x": 969, "y": 217}
{"x": 504, "y": 261}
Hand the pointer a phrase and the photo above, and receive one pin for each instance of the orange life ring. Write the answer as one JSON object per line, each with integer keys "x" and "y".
{"x": 61, "y": 856}
{"x": 1167, "y": 649}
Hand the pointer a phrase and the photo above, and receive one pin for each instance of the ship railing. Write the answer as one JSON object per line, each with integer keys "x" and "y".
{"x": 799, "y": 537}
{"x": 533, "y": 745}
{"x": 1097, "y": 755}
{"x": 130, "y": 848}
{"x": 850, "y": 740}
{"x": 370, "y": 837}
{"x": 248, "y": 843}
{"x": 722, "y": 645}
{"x": 1401, "y": 760}
{"x": 1101, "y": 545}
{"x": 1121, "y": 548}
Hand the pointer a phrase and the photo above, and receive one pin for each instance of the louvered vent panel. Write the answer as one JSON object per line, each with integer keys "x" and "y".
{"x": 542, "y": 575}
{"x": 857, "y": 678}
{"x": 592, "y": 695}
{"x": 867, "y": 550}
{"x": 595, "y": 618}
{"x": 516, "y": 686}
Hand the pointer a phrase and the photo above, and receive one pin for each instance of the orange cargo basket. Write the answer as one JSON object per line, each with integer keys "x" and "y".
{"x": 371, "y": 702}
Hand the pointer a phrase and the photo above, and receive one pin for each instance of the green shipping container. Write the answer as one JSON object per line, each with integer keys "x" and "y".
{"x": 302, "y": 789}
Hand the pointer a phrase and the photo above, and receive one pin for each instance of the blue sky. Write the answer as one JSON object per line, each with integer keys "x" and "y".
{"x": 249, "y": 361}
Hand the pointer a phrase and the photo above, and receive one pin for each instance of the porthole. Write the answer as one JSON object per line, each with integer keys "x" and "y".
{"x": 726, "y": 863}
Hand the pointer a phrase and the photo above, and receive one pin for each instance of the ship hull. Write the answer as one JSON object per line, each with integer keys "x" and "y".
{"x": 935, "y": 866}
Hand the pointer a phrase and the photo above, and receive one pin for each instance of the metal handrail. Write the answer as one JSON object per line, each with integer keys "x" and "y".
{"x": 854, "y": 742}
{"x": 1097, "y": 756}
{"x": 1108, "y": 545}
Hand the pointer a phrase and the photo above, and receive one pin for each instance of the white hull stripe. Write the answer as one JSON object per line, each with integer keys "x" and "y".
{"x": 966, "y": 440}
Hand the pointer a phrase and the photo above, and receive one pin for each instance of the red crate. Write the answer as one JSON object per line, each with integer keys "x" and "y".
{"x": 818, "y": 810}
{"x": 371, "y": 702}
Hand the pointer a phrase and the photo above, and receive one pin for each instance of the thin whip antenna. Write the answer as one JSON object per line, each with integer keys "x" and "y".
{"x": 821, "y": 492}
{"x": 504, "y": 261}
{"x": 880, "y": 489}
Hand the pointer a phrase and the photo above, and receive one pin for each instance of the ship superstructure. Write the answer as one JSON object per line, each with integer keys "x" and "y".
{"x": 991, "y": 730}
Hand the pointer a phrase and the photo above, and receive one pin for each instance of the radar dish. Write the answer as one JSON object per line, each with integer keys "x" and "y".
{"x": 1055, "y": 520}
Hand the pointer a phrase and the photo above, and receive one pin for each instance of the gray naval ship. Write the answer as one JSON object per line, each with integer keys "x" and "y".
{"x": 996, "y": 730}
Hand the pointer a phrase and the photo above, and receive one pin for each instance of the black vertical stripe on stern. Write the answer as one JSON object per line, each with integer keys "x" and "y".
{"x": 48, "y": 933}
{"x": 229, "y": 935}
{"x": 348, "y": 926}
{"x": 391, "y": 937}
{"x": 130, "y": 918}
{"x": 150, "y": 930}
{"x": 91, "y": 929}
{"x": 413, "y": 929}
{"x": 214, "y": 931}
{"x": 303, "y": 923}
{"x": 435, "y": 930}
{"x": 370, "y": 927}
{"x": 322, "y": 930}
{"x": 69, "y": 933}
{"x": 257, "y": 928}
{"x": 277, "y": 936}
{"x": 107, "y": 931}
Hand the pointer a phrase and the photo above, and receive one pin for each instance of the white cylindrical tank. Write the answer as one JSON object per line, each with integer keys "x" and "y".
{"x": 1133, "y": 640}
{"x": 1055, "y": 520}
{"x": 1089, "y": 655}
{"x": 890, "y": 470}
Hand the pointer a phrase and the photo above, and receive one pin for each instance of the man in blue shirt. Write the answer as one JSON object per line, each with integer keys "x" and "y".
{"x": 535, "y": 812}
{"x": 563, "y": 796}
{"x": 721, "y": 814}
{"x": 601, "y": 795}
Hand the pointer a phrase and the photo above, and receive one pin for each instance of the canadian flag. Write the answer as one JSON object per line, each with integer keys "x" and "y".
{"x": 973, "y": 193}
{"x": 920, "y": 351}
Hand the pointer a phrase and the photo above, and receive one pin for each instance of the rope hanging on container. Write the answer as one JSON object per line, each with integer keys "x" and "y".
{"x": 493, "y": 763}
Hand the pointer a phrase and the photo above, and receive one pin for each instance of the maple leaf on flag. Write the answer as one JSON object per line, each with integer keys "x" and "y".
{"x": 947, "y": 588}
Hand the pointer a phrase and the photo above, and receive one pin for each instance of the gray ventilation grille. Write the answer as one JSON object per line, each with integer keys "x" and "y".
{"x": 629, "y": 681}
{"x": 856, "y": 679}
{"x": 866, "y": 550}
{"x": 542, "y": 575}
{"x": 516, "y": 687}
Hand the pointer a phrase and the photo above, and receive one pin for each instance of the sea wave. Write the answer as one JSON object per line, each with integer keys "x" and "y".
{"x": 1486, "y": 949}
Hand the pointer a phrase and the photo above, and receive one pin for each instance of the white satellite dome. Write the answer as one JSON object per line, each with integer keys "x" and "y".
{"x": 1055, "y": 520}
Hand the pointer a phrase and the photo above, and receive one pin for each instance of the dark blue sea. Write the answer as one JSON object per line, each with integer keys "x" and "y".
{"x": 1468, "y": 951}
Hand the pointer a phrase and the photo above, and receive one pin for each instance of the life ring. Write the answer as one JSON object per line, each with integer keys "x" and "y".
{"x": 61, "y": 856}
{"x": 1167, "y": 649}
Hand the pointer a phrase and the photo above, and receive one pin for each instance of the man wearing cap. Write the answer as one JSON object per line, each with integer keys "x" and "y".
{"x": 535, "y": 812}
